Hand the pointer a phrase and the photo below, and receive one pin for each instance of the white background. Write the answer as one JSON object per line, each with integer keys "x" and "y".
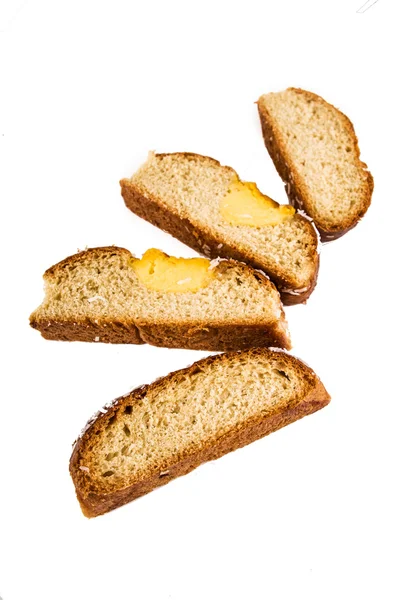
{"x": 87, "y": 89}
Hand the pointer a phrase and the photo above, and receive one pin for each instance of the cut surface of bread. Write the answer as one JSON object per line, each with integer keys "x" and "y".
{"x": 315, "y": 150}
{"x": 182, "y": 193}
{"x": 104, "y": 295}
{"x": 163, "y": 430}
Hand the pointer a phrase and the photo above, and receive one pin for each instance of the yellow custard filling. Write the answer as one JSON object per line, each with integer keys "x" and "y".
{"x": 164, "y": 273}
{"x": 244, "y": 204}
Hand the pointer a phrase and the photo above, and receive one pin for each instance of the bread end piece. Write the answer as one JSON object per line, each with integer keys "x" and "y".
{"x": 319, "y": 147}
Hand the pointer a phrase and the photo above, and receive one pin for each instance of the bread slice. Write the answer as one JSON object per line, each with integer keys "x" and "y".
{"x": 181, "y": 194}
{"x": 96, "y": 296}
{"x": 160, "y": 431}
{"x": 315, "y": 150}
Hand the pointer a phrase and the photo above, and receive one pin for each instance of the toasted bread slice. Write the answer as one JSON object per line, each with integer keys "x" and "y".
{"x": 98, "y": 296}
{"x": 166, "y": 429}
{"x": 181, "y": 193}
{"x": 315, "y": 150}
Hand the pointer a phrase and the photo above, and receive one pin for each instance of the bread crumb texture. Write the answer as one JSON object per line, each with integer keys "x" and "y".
{"x": 146, "y": 433}
{"x": 102, "y": 283}
{"x": 317, "y": 145}
{"x": 194, "y": 187}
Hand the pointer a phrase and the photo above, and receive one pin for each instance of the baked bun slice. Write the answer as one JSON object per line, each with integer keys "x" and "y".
{"x": 107, "y": 295}
{"x": 161, "y": 431}
{"x": 206, "y": 206}
{"x": 315, "y": 150}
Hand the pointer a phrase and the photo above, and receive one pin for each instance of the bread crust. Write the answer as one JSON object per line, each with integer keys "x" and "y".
{"x": 294, "y": 184}
{"x": 86, "y": 330}
{"x": 190, "y": 336}
{"x": 94, "y": 503}
{"x": 203, "y": 240}
{"x": 81, "y": 256}
{"x": 217, "y": 336}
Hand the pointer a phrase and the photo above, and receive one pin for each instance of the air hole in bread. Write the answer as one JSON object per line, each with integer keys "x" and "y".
{"x": 111, "y": 421}
{"x": 108, "y": 474}
{"x": 128, "y": 410}
{"x": 126, "y": 430}
{"x": 111, "y": 456}
{"x": 282, "y": 373}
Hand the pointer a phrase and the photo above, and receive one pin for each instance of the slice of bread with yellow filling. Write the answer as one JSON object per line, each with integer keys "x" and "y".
{"x": 107, "y": 295}
{"x": 207, "y": 206}
{"x": 163, "y": 430}
{"x": 315, "y": 150}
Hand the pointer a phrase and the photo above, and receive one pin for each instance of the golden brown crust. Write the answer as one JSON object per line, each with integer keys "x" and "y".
{"x": 81, "y": 256}
{"x": 294, "y": 185}
{"x": 86, "y": 330}
{"x": 152, "y": 209}
{"x": 191, "y": 336}
{"x": 235, "y": 336}
{"x": 218, "y": 336}
{"x": 93, "y": 502}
